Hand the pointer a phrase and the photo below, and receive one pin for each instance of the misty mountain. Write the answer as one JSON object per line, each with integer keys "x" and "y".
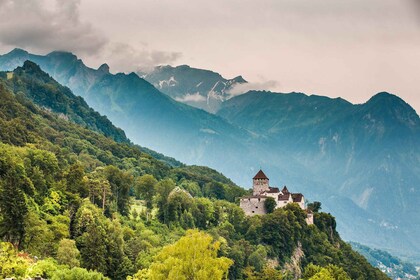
{"x": 196, "y": 87}
{"x": 149, "y": 117}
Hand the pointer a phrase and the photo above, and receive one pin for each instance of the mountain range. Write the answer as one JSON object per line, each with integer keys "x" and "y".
{"x": 362, "y": 160}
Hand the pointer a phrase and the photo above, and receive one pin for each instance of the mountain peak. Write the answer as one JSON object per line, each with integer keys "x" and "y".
{"x": 239, "y": 79}
{"x": 63, "y": 54}
{"x": 17, "y": 52}
{"x": 31, "y": 66}
{"x": 386, "y": 99}
{"x": 104, "y": 68}
{"x": 383, "y": 95}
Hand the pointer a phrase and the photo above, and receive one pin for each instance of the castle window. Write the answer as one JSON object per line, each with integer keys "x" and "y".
{"x": 256, "y": 206}
{"x": 253, "y": 211}
{"x": 259, "y": 199}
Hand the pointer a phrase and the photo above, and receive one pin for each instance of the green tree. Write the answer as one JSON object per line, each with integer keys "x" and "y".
{"x": 214, "y": 190}
{"x": 314, "y": 206}
{"x": 75, "y": 182}
{"x": 258, "y": 258}
{"x": 330, "y": 272}
{"x": 10, "y": 264}
{"x": 68, "y": 253}
{"x": 121, "y": 182}
{"x": 163, "y": 189}
{"x": 13, "y": 207}
{"x": 77, "y": 273}
{"x": 145, "y": 188}
{"x": 270, "y": 204}
{"x": 194, "y": 256}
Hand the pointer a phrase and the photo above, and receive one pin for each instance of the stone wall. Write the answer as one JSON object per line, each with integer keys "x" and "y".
{"x": 252, "y": 206}
{"x": 260, "y": 185}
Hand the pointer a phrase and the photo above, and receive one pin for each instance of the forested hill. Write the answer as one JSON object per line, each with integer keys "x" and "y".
{"x": 39, "y": 87}
{"x": 75, "y": 204}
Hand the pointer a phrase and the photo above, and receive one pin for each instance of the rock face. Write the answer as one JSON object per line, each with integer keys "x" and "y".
{"x": 295, "y": 262}
{"x": 200, "y": 88}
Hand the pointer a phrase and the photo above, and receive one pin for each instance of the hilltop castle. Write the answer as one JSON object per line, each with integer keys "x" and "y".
{"x": 254, "y": 204}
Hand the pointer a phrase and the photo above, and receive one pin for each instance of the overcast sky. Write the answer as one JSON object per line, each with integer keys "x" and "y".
{"x": 351, "y": 48}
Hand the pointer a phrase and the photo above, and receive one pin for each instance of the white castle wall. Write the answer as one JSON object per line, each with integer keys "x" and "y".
{"x": 252, "y": 206}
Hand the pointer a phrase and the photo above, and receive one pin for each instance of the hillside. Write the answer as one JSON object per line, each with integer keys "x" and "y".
{"x": 392, "y": 266}
{"x": 69, "y": 196}
{"x": 199, "y": 88}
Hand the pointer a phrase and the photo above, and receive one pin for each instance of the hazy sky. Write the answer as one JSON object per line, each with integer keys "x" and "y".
{"x": 348, "y": 48}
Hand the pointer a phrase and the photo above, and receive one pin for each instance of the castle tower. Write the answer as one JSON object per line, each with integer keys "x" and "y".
{"x": 260, "y": 183}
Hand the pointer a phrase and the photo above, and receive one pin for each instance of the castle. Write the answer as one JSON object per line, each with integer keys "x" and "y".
{"x": 254, "y": 204}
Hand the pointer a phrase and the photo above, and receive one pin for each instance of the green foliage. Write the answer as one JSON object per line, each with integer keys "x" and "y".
{"x": 77, "y": 273}
{"x": 270, "y": 204}
{"x": 68, "y": 254}
{"x": 330, "y": 272}
{"x": 13, "y": 185}
{"x": 192, "y": 257}
{"x": 258, "y": 258}
{"x": 315, "y": 206}
{"x": 145, "y": 188}
{"x": 10, "y": 264}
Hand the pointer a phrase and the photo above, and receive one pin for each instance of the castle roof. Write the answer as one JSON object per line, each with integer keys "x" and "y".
{"x": 273, "y": 190}
{"x": 284, "y": 196}
{"x": 260, "y": 175}
{"x": 285, "y": 190}
{"x": 255, "y": 196}
{"x": 297, "y": 197}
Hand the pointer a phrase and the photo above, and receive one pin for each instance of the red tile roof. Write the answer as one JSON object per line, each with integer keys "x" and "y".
{"x": 297, "y": 197}
{"x": 284, "y": 196}
{"x": 285, "y": 190}
{"x": 273, "y": 190}
{"x": 260, "y": 175}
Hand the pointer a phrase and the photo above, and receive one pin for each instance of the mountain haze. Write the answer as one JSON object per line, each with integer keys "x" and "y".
{"x": 149, "y": 117}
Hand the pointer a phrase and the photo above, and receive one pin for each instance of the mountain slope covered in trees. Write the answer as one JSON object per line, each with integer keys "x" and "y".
{"x": 69, "y": 209}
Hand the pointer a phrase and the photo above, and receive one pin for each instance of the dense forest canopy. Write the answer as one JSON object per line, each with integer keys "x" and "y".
{"x": 79, "y": 201}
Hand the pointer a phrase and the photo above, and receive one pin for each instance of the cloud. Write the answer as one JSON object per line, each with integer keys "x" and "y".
{"x": 239, "y": 89}
{"x": 193, "y": 97}
{"x": 125, "y": 57}
{"x": 46, "y": 25}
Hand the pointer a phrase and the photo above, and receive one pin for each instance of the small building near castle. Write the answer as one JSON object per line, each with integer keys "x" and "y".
{"x": 254, "y": 204}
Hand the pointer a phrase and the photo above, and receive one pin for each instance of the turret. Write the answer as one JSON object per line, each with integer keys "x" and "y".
{"x": 260, "y": 183}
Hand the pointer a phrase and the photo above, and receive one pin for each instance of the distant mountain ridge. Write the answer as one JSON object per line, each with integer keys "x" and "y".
{"x": 196, "y": 87}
